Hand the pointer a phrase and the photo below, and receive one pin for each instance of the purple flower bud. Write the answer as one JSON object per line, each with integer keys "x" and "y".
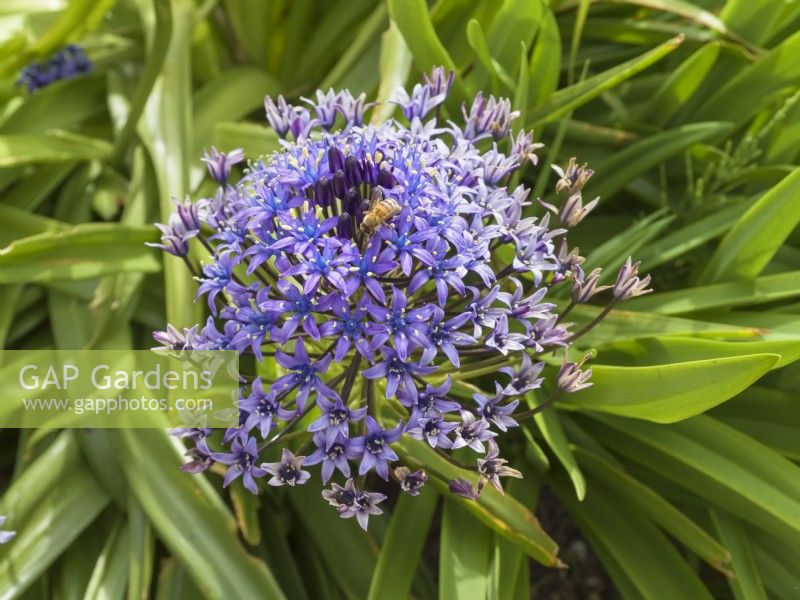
{"x": 463, "y": 488}
{"x": 187, "y": 213}
{"x": 439, "y": 81}
{"x": 569, "y": 259}
{"x": 325, "y": 106}
{"x": 200, "y": 462}
{"x": 177, "y": 340}
{"x": 344, "y": 226}
{"x": 571, "y": 379}
{"x": 628, "y": 285}
{"x": 353, "y": 171}
{"x": 353, "y": 202}
{"x": 339, "y": 183}
{"x": 583, "y": 288}
{"x": 323, "y": 191}
{"x": 385, "y": 179}
{"x": 353, "y": 108}
{"x": 285, "y": 118}
{"x": 573, "y": 177}
{"x": 219, "y": 163}
{"x": 183, "y": 225}
{"x": 490, "y": 117}
{"x": 335, "y": 159}
{"x": 524, "y": 148}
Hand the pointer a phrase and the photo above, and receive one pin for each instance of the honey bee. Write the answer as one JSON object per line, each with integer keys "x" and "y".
{"x": 380, "y": 210}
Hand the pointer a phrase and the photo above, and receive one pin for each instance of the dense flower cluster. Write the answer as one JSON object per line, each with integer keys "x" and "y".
{"x": 381, "y": 266}
{"x": 67, "y": 63}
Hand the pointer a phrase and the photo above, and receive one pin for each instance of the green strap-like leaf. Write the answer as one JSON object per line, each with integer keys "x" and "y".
{"x": 81, "y": 252}
{"x": 777, "y": 71}
{"x": 665, "y": 350}
{"x": 753, "y": 22}
{"x": 694, "y": 234}
{"x": 477, "y": 41}
{"x": 255, "y": 140}
{"x": 141, "y": 551}
{"x": 545, "y": 62}
{"x": 414, "y": 22}
{"x": 165, "y": 128}
{"x": 622, "y": 167}
{"x": 504, "y": 515}
{"x": 713, "y": 461}
{"x": 48, "y": 527}
{"x": 199, "y": 531}
{"x": 111, "y": 569}
{"x": 568, "y": 99}
{"x": 402, "y": 546}
{"x": 761, "y": 290}
{"x": 746, "y": 583}
{"x": 552, "y": 431}
{"x": 463, "y": 555}
{"x": 24, "y": 149}
{"x": 516, "y": 21}
{"x": 679, "y": 87}
{"x": 638, "y": 557}
{"x": 669, "y": 393}
{"x": 395, "y": 65}
{"x": 627, "y": 325}
{"x": 657, "y": 508}
{"x": 330, "y": 534}
{"x": 231, "y": 96}
{"x": 758, "y": 235}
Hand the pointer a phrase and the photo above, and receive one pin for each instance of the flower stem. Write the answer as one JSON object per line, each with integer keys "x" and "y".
{"x": 566, "y": 311}
{"x": 453, "y": 461}
{"x": 536, "y": 410}
{"x": 589, "y": 326}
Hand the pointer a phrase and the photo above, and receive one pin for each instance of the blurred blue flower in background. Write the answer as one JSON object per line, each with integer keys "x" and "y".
{"x": 6, "y": 536}
{"x": 67, "y": 63}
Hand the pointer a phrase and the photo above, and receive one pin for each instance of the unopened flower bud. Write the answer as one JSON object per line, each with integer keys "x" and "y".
{"x": 584, "y": 287}
{"x": 571, "y": 379}
{"x": 219, "y": 163}
{"x": 628, "y": 284}
{"x": 573, "y": 178}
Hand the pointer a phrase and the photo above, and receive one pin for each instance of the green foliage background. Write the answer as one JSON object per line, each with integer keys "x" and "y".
{"x": 679, "y": 466}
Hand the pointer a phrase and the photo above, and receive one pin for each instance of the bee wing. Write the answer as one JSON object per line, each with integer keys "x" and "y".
{"x": 375, "y": 196}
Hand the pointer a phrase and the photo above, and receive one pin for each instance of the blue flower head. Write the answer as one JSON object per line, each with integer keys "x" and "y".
{"x": 377, "y": 268}
{"x": 69, "y": 62}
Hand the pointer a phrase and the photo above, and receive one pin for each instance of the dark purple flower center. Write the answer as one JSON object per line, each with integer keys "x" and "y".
{"x": 375, "y": 443}
{"x": 431, "y": 428}
{"x": 397, "y": 322}
{"x": 335, "y": 451}
{"x": 287, "y": 473}
{"x": 245, "y": 461}
{"x": 344, "y": 497}
{"x": 425, "y": 402}
{"x": 352, "y": 327}
{"x": 489, "y": 468}
{"x": 265, "y": 408}
{"x": 338, "y": 415}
